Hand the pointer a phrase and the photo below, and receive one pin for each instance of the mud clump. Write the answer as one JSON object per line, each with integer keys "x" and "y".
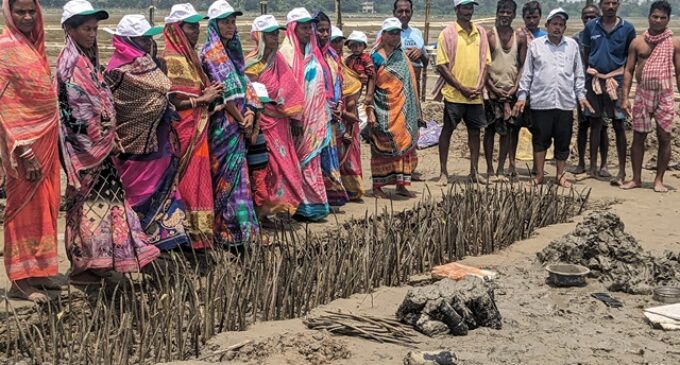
{"x": 433, "y": 110}
{"x": 450, "y": 307}
{"x": 316, "y": 349}
{"x": 614, "y": 257}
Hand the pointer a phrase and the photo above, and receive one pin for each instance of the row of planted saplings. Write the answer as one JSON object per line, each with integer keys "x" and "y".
{"x": 195, "y": 295}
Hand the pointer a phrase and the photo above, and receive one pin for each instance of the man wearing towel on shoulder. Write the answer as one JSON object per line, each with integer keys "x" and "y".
{"x": 653, "y": 57}
{"x": 605, "y": 42}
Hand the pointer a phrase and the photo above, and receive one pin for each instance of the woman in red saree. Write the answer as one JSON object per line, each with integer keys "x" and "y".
{"x": 278, "y": 187}
{"x": 191, "y": 94}
{"x": 393, "y": 118}
{"x": 29, "y": 121}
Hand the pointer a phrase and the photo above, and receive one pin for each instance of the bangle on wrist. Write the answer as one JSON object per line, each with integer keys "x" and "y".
{"x": 193, "y": 102}
{"x": 27, "y": 154}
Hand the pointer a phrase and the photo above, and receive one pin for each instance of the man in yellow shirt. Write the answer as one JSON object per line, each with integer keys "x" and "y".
{"x": 462, "y": 59}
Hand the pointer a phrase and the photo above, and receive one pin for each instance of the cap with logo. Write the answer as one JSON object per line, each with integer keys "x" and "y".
{"x": 357, "y": 36}
{"x": 266, "y": 23}
{"x": 184, "y": 13}
{"x": 221, "y": 9}
{"x": 336, "y": 33}
{"x": 81, "y": 7}
{"x": 390, "y": 24}
{"x": 299, "y": 15}
{"x": 134, "y": 25}
{"x": 262, "y": 92}
{"x": 457, "y": 3}
{"x": 557, "y": 12}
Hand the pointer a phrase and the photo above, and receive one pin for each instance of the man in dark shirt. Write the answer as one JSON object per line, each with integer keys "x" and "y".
{"x": 588, "y": 13}
{"x": 605, "y": 41}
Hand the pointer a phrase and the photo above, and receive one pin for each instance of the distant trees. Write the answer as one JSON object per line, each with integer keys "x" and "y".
{"x": 439, "y": 7}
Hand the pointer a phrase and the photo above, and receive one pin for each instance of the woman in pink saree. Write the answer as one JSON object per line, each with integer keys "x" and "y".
{"x": 312, "y": 133}
{"x": 103, "y": 232}
{"x": 278, "y": 187}
{"x": 149, "y": 156}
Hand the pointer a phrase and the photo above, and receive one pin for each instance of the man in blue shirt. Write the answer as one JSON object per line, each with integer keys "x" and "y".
{"x": 412, "y": 41}
{"x": 531, "y": 14}
{"x": 606, "y": 41}
{"x": 588, "y": 13}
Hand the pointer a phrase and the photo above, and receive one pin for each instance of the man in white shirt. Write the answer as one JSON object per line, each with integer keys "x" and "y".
{"x": 553, "y": 76}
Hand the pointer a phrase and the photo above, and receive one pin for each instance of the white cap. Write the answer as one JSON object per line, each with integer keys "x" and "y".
{"x": 336, "y": 33}
{"x": 221, "y": 9}
{"x": 134, "y": 25}
{"x": 262, "y": 92}
{"x": 184, "y": 13}
{"x": 357, "y": 36}
{"x": 266, "y": 23}
{"x": 81, "y": 7}
{"x": 300, "y": 15}
{"x": 557, "y": 12}
{"x": 457, "y": 3}
{"x": 389, "y": 24}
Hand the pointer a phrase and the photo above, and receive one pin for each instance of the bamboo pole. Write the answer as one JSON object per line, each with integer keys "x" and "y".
{"x": 426, "y": 38}
{"x": 338, "y": 11}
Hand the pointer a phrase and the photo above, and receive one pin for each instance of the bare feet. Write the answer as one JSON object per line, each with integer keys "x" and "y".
{"x": 401, "y": 190}
{"x": 22, "y": 289}
{"x": 534, "y": 182}
{"x": 631, "y": 185}
{"x": 563, "y": 182}
{"x": 479, "y": 179}
{"x": 659, "y": 187}
{"x": 46, "y": 283}
{"x": 502, "y": 178}
{"x": 604, "y": 173}
{"x": 577, "y": 170}
{"x": 617, "y": 181}
{"x": 379, "y": 193}
{"x": 417, "y": 176}
{"x": 443, "y": 180}
{"x": 85, "y": 278}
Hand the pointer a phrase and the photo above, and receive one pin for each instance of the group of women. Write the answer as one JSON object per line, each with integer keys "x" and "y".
{"x": 195, "y": 149}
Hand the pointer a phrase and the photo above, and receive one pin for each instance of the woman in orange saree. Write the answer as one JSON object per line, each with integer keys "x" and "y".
{"x": 348, "y": 130}
{"x": 191, "y": 94}
{"x": 29, "y": 119}
{"x": 393, "y": 118}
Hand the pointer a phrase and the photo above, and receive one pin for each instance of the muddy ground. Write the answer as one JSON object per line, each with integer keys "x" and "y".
{"x": 541, "y": 324}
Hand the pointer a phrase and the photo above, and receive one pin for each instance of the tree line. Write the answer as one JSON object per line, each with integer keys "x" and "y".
{"x": 440, "y": 8}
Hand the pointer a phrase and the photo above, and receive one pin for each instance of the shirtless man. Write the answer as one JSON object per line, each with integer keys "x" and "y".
{"x": 652, "y": 57}
{"x": 507, "y": 57}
